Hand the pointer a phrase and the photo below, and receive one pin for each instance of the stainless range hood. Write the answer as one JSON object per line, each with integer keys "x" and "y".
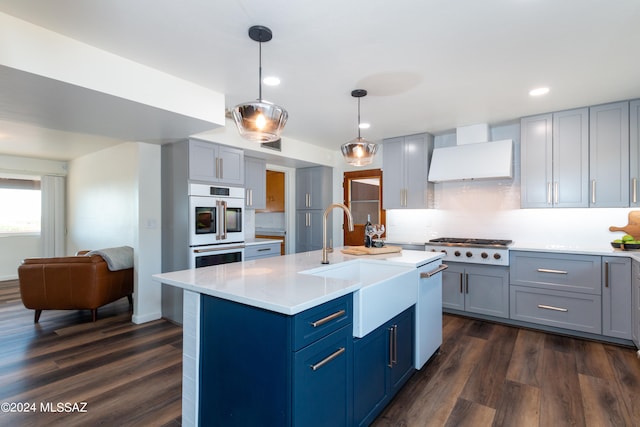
{"x": 472, "y": 157}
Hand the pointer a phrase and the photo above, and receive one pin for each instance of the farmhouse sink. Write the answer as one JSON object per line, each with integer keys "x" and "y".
{"x": 386, "y": 290}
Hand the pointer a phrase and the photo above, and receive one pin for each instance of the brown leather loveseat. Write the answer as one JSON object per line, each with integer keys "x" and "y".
{"x": 72, "y": 283}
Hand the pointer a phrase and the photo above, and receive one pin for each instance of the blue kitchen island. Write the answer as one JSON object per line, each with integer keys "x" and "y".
{"x": 286, "y": 341}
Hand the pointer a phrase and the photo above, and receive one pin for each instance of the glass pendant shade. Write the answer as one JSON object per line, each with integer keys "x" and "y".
{"x": 359, "y": 152}
{"x": 260, "y": 121}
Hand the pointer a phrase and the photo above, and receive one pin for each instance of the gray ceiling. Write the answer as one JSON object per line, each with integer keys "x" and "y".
{"x": 429, "y": 65}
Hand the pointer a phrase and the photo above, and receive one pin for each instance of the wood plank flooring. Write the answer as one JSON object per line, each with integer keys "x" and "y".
{"x": 485, "y": 375}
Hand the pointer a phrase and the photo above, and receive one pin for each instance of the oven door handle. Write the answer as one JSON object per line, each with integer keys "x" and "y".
{"x": 226, "y": 248}
{"x": 218, "y": 228}
{"x": 224, "y": 219}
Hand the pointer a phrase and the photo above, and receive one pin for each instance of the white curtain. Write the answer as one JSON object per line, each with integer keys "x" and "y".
{"x": 53, "y": 216}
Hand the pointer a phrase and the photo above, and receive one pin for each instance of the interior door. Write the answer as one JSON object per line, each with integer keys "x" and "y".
{"x": 363, "y": 196}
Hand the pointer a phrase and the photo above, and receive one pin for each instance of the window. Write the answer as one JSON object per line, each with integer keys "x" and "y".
{"x": 20, "y": 206}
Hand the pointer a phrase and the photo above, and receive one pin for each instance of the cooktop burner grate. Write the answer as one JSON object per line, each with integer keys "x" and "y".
{"x": 455, "y": 241}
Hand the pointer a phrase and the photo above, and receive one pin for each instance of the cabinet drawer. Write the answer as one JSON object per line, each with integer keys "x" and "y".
{"x": 317, "y": 322}
{"x": 574, "y": 273}
{"x": 261, "y": 251}
{"x": 575, "y": 311}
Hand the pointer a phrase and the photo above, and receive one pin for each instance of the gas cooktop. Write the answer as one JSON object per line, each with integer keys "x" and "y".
{"x": 456, "y": 241}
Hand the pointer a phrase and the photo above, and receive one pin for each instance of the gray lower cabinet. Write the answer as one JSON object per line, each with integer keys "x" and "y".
{"x": 405, "y": 166}
{"x": 635, "y": 297}
{"x": 309, "y": 230}
{"x": 480, "y": 289}
{"x": 559, "y": 290}
{"x": 634, "y": 148}
{"x": 263, "y": 250}
{"x": 616, "y": 294}
{"x": 555, "y": 160}
{"x": 609, "y": 155}
{"x": 255, "y": 183}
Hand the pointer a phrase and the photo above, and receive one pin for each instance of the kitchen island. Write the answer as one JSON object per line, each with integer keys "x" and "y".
{"x": 261, "y": 337}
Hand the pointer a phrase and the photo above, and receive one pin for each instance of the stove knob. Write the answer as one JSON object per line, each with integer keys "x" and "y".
{"x": 497, "y": 256}
{"x": 457, "y": 253}
{"x": 469, "y": 254}
{"x": 443, "y": 251}
{"x": 484, "y": 255}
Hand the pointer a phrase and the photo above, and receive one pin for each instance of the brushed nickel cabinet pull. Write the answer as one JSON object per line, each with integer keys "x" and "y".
{"x": 221, "y": 167}
{"x": 466, "y": 282}
{"x": 461, "y": 280}
{"x": 264, "y": 249}
{"x": 555, "y": 193}
{"x": 328, "y": 318}
{"x": 634, "y": 185}
{"x": 427, "y": 274}
{"x": 606, "y": 274}
{"x": 547, "y": 270}
{"x": 549, "y": 193}
{"x": 550, "y": 307}
{"x": 593, "y": 191}
{"x": 217, "y": 167}
{"x": 328, "y": 359}
{"x": 390, "y": 364}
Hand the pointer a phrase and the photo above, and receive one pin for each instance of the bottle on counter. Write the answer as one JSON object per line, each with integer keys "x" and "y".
{"x": 367, "y": 232}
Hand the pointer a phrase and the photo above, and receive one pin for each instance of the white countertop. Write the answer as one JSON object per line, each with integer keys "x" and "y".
{"x": 604, "y": 249}
{"x": 277, "y": 283}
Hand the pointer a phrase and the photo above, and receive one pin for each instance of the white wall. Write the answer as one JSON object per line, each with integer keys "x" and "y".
{"x": 491, "y": 209}
{"x": 114, "y": 200}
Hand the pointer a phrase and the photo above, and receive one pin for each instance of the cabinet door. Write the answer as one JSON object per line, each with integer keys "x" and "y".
{"x": 394, "y": 173}
{"x": 609, "y": 155}
{"x": 255, "y": 183}
{"x": 321, "y": 388}
{"x": 314, "y": 187}
{"x": 309, "y": 230}
{"x": 635, "y": 313}
{"x": 231, "y": 165}
{"x": 487, "y": 290}
{"x": 202, "y": 161}
{"x": 403, "y": 343}
{"x": 536, "y": 157}
{"x": 616, "y": 297}
{"x": 634, "y": 146}
{"x": 453, "y": 287}
{"x": 416, "y": 152}
{"x": 571, "y": 158}
{"x": 370, "y": 365}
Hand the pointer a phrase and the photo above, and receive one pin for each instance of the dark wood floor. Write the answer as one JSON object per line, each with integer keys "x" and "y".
{"x": 486, "y": 374}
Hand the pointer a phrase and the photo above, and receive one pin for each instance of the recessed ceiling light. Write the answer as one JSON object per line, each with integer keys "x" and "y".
{"x": 364, "y": 125}
{"x": 271, "y": 81}
{"x": 539, "y": 91}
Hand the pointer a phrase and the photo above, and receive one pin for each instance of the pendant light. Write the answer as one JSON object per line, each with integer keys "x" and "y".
{"x": 359, "y": 151}
{"x": 260, "y": 120}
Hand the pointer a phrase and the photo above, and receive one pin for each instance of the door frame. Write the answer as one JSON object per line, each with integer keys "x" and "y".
{"x": 361, "y": 174}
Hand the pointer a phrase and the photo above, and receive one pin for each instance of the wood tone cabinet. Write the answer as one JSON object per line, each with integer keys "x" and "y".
{"x": 314, "y": 187}
{"x": 480, "y": 289}
{"x": 609, "y": 155}
{"x": 255, "y": 183}
{"x": 259, "y": 367}
{"x": 616, "y": 294}
{"x": 555, "y": 159}
{"x": 406, "y": 168}
{"x": 634, "y": 147}
{"x": 382, "y": 363}
{"x": 275, "y": 192}
{"x": 635, "y": 301}
{"x": 216, "y": 164}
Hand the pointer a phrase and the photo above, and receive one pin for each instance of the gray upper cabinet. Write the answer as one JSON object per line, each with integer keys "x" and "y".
{"x": 609, "y": 155}
{"x": 405, "y": 166}
{"x": 314, "y": 187}
{"x": 634, "y": 147}
{"x": 555, "y": 160}
{"x": 255, "y": 183}
{"x": 616, "y": 297}
{"x": 215, "y": 163}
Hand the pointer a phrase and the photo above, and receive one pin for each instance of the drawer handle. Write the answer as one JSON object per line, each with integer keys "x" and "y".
{"x": 328, "y": 359}
{"x": 550, "y": 307}
{"x": 264, "y": 249}
{"x": 427, "y": 274}
{"x": 546, "y": 270}
{"x": 328, "y": 318}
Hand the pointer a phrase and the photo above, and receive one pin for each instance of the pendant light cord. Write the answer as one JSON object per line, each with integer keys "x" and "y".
{"x": 358, "y": 118}
{"x": 260, "y": 72}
